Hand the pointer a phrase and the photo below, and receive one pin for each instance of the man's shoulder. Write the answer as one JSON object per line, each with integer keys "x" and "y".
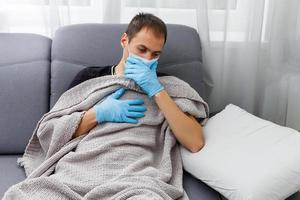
{"x": 89, "y": 73}
{"x": 95, "y": 69}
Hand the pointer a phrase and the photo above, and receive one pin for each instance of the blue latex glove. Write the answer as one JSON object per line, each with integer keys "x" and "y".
{"x": 144, "y": 74}
{"x": 114, "y": 110}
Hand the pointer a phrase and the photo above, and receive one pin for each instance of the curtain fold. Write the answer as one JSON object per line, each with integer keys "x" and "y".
{"x": 250, "y": 48}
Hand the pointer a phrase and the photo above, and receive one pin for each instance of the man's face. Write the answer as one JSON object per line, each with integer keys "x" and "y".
{"x": 145, "y": 44}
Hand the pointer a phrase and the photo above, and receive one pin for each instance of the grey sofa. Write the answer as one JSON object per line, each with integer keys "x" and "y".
{"x": 35, "y": 71}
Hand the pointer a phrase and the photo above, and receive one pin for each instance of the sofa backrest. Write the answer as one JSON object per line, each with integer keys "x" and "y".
{"x": 75, "y": 47}
{"x": 24, "y": 87}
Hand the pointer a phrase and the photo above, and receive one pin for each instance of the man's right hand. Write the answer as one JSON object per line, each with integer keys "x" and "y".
{"x": 114, "y": 110}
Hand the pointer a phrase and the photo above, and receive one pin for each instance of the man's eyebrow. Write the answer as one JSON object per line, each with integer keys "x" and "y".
{"x": 143, "y": 46}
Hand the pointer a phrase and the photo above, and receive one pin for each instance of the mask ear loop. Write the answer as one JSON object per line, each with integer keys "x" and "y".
{"x": 113, "y": 70}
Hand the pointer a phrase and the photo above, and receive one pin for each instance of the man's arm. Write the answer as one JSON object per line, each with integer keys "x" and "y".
{"x": 112, "y": 109}
{"x": 185, "y": 128}
{"x": 87, "y": 122}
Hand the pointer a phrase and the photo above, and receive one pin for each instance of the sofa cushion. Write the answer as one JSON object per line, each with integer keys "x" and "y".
{"x": 197, "y": 190}
{"x": 24, "y": 86}
{"x": 189, "y": 72}
{"x": 10, "y": 172}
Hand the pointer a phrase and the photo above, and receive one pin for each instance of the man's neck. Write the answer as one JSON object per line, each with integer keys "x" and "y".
{"x": 119, "y": 69}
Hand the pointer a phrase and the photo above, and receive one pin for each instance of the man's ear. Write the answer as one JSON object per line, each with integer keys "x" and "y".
{"x": 124, "y": 40}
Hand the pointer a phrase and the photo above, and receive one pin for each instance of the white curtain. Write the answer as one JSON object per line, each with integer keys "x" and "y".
{"x": 250, "y": 47}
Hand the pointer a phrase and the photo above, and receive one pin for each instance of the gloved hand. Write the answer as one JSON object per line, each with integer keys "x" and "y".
{"x": 114, "y": 110}
{"x": 144, "y": 74}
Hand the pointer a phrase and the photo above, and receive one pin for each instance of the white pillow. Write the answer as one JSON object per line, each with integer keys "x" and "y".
{"x": 246, "y": 157}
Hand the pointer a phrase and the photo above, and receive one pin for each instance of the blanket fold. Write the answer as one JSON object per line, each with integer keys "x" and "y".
{"x": 113, "y": 160}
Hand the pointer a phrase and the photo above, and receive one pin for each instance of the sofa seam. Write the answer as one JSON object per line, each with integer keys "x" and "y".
{"x": 24, "y": 62}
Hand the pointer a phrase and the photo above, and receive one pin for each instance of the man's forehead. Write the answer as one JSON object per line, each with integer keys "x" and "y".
{"x": 148, "y": 48}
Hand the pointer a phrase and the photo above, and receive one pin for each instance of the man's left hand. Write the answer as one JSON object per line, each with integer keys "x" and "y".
{"x": 143, "y": 75}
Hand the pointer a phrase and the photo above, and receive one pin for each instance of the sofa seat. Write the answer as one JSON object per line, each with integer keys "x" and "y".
{"x": 10, "y": 172}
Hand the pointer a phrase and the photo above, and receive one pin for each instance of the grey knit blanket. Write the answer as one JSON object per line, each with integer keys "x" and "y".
{"x": 113, "y": 160}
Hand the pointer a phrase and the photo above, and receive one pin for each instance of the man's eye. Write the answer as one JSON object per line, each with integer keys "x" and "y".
{"x": 142, "y": 50}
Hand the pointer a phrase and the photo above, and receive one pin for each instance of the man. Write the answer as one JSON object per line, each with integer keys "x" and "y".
{"x": 74, "y": 153}
{"x": 142, "y": 45}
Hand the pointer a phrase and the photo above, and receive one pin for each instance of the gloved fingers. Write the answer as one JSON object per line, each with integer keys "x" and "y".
{"x": 137, "y": 108}
{"x": 130, "y": 120}
{"x": 134, "y": 101}
{"x": 129, "y": 71}
{"x": 135, "y": 114}
{"x": 130, "y": 76}
{"x": 137, "y": 66}
{"x": 133, "y": 60}
{"x": 118, "y": 93}
{"x": 129, "y": 65}
{"x": 139, "y": 69}
{"x": 153, "y": 67}
{"x": 136, "y": 75}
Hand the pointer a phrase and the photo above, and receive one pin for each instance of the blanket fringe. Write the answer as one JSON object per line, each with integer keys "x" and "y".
{"x": 20, "y": 161}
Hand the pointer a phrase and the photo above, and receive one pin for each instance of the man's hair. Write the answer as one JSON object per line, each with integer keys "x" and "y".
{"x": 146, "y": 20}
